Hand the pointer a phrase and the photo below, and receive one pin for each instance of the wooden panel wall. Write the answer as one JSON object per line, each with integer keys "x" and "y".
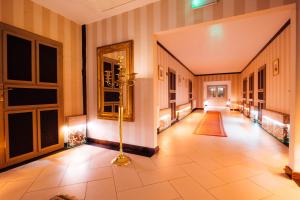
{"x": 140, "y": 25}
{"x": 29, "y": 16}
{"x": 235, "y": 86}
{"x": 278, "y": 87}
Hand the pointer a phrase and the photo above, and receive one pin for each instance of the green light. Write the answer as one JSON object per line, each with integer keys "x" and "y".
{"x": 198, "y": 3}
{"x": 201, "y": 3}
{"x": 216, "y": 31}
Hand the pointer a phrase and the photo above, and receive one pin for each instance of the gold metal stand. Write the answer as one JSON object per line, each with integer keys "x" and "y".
{"x": 124, "y": 81}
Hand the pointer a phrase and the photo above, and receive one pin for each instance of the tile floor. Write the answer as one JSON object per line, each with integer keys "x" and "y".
{"x": 247, "y": 165}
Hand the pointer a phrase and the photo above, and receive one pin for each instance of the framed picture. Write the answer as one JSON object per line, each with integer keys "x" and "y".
{"x": 160, "y": 72}
{"x": 276, "y": 67}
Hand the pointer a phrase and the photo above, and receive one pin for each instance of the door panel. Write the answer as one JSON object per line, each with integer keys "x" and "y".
{"x": 31, "y": 103}
{"x": 50, "y": 135}
{"x": 20, "y": 134}
{"x": 48, "y": 127}
{"x": 31, "y": 96}
{"x": 47, "y": 62}
{"x": 18, "y": 58}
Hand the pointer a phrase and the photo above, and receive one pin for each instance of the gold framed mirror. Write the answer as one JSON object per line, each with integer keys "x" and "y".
{"x": 107, "y": 85}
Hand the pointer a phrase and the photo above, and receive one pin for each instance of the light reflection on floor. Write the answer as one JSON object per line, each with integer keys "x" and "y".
{"x": 246, "y": 165}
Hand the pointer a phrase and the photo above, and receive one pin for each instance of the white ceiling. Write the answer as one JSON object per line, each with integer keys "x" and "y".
{"x": 88, "y": 11}
{"x": 224, "y": 47}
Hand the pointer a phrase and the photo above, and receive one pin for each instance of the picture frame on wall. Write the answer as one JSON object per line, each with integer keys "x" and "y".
{"x": 160, "y": 72}
{"x": 276, "y": 67}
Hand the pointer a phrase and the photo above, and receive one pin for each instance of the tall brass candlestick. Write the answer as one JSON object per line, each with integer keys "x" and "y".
{"x": 125, "y": 80}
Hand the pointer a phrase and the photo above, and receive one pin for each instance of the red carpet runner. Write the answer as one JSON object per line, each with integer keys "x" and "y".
{"x": 211, "y": 124}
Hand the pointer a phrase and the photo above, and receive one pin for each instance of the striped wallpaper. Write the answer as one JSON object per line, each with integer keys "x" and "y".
{"x": 166, "y": 61}
{"x": 278, "y": 87}
{"x": 29, "y": 16}
{"x": 140, "y": 25}
{"x": 235, "y": 86}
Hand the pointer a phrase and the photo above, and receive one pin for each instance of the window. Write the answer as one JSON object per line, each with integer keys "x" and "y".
{"x": 217, "y": 91}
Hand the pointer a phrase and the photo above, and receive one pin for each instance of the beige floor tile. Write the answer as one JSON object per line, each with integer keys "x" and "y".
{"x": 284, "y": 197}
{"x": 160, "y": 191}
{"x": 274, "y": 197}
{"x": 190, "y": 189}
{"x": 165, "y": 161}
{"x": 77, "y": 191}
{"x": 244, "y": 190}
{"x": 104, "y": 189}
{"x": 209, "y": 164}
{"x": 162, "y": 174}
{"x": 278, "y": 184}
{"x": 29, "y": 173}
{"x": 202, "y": 176}
{"x": 2, "y": 183}
{"x": 14, "y": 190}
{"x": 84, "y": 173}
{"x": 126, "y": 178}
{"x": 273, "y": 182}
{"x": 231, "y": 160}
{"x": 229, "y": 174}
{"x": 102, "y": 159}
{"x": 251, "y": 160}
{"x": 142, "y": 163}
{"x": 49, "y": 178}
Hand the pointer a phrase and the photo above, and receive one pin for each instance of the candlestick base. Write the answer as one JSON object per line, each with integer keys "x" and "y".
{"x": 121, "y": 160}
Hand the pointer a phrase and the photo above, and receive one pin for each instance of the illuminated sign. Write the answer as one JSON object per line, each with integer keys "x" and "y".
{"x": 201, "y": 3}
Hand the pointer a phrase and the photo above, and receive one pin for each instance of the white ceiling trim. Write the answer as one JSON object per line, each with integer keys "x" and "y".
{"x": 89, "y": 11}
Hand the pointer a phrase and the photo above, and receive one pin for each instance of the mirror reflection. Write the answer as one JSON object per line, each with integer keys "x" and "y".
{"x": 108, "y": 76}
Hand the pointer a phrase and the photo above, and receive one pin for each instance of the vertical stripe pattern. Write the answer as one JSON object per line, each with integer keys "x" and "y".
{"x": 140, "y": 25}
{"x": 278, "y": 86}
{"x": 29, "y": 16}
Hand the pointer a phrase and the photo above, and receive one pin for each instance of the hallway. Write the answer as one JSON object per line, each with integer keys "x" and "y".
{"x": 246, "y": 165}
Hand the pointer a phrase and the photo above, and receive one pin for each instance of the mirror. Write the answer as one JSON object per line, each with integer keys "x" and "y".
{"x": 108, "y": 73}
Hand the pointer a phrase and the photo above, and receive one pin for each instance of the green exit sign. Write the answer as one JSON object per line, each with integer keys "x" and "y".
{"x": 201, "y": 3}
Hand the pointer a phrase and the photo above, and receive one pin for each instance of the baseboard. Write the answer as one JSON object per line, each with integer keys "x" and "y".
{"x": 293, "y": 175}
{"x": 128, "y": 148}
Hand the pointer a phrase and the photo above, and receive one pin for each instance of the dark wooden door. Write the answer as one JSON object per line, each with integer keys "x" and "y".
{"x": 30, "y": 96}
{"x": 261, "y": 92}
{"x": 172, "y": 94}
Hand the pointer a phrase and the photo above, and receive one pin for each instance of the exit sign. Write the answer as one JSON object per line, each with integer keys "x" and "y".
{"x": 202, "y": 3}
